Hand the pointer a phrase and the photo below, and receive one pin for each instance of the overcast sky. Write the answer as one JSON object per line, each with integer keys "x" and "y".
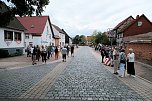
{"x": 85, "y": 16}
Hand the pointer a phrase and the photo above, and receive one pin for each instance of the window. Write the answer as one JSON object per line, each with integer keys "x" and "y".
{"x": 8, "y": 35}
{"x": 139, "y": 23}
{"x": 121, "y": 35}
{"x": 31, "y": 44}
{"x": 62, "y": 36}
{"x": 26, "y": 36}
{"x": 17, "y": 36}
{"x": 50, "y": 36}
{"x": 62, "y": 43}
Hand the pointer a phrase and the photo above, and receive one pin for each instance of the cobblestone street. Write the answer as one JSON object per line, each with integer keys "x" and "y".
{"x": 82, "y": 77}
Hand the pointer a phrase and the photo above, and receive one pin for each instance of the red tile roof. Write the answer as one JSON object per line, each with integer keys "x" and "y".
{"x": 136, "y": 20}
{"x": 119, "y": 26}
{"x": 122, "y": 22}
{"x": 34, "y": 25}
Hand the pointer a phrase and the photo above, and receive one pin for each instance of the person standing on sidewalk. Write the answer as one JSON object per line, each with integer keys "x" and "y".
{"x": 64, "y": 53}
{"x": 130, "y": 63}
{"x": 68, "y": 50}
{"x": 28, "y": 50}
{"x": 43, "y": 54}
{"x": 56, "y": 53}
{"x": 33, "y": 52}
{"x": 102, "y": 54}
{"x": 122, "y": 58}
{"x": 38, "y": 52}
{"x": 115, "y": 60}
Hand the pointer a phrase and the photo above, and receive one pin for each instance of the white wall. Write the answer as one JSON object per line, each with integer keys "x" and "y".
{"x": 44, "y": 39}
{"x": 70, "y": 41}
{"x": 13, "y": 43}
{"x": 62, "y": 40}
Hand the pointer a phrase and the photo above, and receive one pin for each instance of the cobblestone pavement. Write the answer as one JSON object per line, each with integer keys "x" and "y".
{"x": 85, "y": 78}
{"x": 15, "y": 82}
{"x": 82, "y": 77}
{"x": 138, "y": 84}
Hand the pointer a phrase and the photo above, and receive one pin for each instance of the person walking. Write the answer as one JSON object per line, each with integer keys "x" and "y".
{"x": 48, "y": 52}
{"x": 130, "y": 63}
{"x": 122, "y": 58}
{"x": 68, "y": 50}
{"x": 64, "y": 53}
{"x": 33, "y": 52}
{"x": 28, "y": 50}
{"x": 53, "y": 49}
{"x": 72, "y": 50}
{"x": 43, "y": 54}
{"x": 38, "y": 52}
{"x": 56, "y": 53}
{"x": 115, "y": 60}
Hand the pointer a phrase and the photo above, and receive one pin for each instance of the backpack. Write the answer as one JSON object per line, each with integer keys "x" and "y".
{"x": 122, "y": 58}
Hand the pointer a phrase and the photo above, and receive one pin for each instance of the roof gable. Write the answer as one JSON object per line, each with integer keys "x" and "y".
{"x": 35, "y": 25}
{"x": 58, "y": 29}
{"x": 124, "y": 24}
{"x": 136, "y": 20}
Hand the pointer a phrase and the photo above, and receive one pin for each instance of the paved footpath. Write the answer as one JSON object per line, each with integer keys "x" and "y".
{"x": 82, "y": 77}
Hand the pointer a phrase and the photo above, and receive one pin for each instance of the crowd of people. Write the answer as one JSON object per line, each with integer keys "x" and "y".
{"x": 45, "y": 52}
{"x": 118, "y": 58}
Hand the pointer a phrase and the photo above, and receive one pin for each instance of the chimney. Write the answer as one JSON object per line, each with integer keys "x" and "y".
{"x": 137, "y": 16}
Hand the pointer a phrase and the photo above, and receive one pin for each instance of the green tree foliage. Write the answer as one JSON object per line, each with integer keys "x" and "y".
{"x": 79, "y": 39}
{"x": 76, "y": 39}
{"x": 105, "y": 39}
{"x": 82, "y": 40}
{"x": 100, "y": 38}
{"x": 21, "y": 8}
{"x": 94, "y": 37}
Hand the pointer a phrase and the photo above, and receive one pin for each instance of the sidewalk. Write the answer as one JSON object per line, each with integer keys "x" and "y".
{"x": 20, "y": 61}
{"x": 24, "y": 61}
{"x": 140, "y": 85}
{"x": 142, "y": 69}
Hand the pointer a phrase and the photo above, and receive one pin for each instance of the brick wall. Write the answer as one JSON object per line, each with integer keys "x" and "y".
{"x": 141, "y": 50}
{"x": 135, "y": 29}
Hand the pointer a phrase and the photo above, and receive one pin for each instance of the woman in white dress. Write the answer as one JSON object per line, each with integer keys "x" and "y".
{"x": 130, "y": 63}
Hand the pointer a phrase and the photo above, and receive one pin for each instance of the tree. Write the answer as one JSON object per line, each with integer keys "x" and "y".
{"x": 21, "y": 8}
{"x": 98, "y": 38}
{"x": 105, "y": 39}
{"x": 76, "y": 39}
{"x": 82, "y": 40}
{"x": 94, "y": 37}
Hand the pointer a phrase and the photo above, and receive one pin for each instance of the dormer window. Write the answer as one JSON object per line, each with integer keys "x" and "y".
{"x": 32, "y": 26}
{"x": 139, "y": 23}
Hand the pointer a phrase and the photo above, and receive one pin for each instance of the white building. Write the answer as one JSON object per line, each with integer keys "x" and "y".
{"x": 39, "y": 30}
{"x": 12, "y": 38}
{"x": 60, "y": 35}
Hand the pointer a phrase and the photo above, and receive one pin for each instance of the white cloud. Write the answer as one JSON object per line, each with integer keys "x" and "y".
{"x": 84, "y": 16}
